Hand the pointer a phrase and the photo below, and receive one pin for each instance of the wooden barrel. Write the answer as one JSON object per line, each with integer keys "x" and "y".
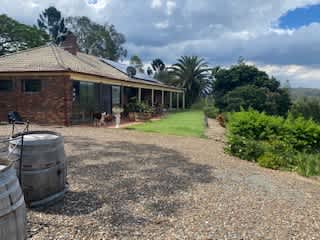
{"x": 44, "y": 169}
{"x": 12, "y": 206}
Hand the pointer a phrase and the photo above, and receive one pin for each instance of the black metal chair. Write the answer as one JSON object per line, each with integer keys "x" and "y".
{"x": 14, "y": 117}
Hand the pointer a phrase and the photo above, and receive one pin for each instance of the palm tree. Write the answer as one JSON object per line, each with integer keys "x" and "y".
{"x": 191, "y": 73}
{"x": 158, "y": 65}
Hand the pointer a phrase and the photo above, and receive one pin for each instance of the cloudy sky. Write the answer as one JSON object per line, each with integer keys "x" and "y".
{"x": 280, "y": 36}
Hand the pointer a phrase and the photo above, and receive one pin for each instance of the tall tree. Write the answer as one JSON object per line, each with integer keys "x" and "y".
{"x": 96, "y": 39}
{"x": 136, "y": 62}
{"x": 191, "y": 73}
{"x": 246, "y": 86}
{"x": 158, "y": 65}
{"x": 15, "y": 36}
{"x": 51, "y": 21}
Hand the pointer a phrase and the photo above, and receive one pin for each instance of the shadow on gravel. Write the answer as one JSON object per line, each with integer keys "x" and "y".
{"x": 74, "y": 204}
{"x": 127, "y": 185}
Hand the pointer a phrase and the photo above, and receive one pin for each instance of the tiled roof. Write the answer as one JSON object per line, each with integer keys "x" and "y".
{"x": 52, "y": 58}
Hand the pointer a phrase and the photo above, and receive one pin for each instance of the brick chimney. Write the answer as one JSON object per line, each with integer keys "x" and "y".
{"x": 70, "y": 43}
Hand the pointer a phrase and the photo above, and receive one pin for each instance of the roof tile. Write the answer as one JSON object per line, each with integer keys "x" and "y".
{"x": 52, "y": 58}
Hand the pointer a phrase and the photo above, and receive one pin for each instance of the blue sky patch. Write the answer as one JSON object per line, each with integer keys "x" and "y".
{"x": 300, "y": 17}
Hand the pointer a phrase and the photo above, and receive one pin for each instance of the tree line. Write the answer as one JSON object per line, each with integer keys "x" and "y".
{"x": 102, "y": 40}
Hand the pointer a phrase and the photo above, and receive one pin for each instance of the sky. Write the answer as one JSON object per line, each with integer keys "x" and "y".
{"x": 282, "y": 37}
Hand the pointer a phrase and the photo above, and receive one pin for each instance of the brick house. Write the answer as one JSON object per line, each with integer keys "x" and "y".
{"x": 60, "y": 85}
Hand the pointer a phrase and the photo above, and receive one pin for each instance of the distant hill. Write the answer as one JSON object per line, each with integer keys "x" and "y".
{"x": 297, "y": 93}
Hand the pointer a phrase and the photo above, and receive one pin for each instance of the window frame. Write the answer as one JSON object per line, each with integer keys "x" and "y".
{"x": 7, "y": 90}
{"x": 113, "y": 87}
{"x": 24, "y": 82}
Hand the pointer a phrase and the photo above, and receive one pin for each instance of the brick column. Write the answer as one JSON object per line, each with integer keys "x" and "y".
{"x": 67, "y": 101}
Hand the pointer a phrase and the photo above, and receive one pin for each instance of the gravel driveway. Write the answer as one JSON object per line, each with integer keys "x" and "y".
{"x": 131, "y": 185}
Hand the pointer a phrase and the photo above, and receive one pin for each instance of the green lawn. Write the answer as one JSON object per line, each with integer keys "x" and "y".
{"x": 189, "y": 123}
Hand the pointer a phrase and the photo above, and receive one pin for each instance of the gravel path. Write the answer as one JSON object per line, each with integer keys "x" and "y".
{"x": 131, "y": 185}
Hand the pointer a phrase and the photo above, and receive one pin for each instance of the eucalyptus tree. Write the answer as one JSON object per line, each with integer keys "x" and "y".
{"x": 137, "y": 63}
{"x": 15, "y": 36}
{"x": 52, "y": 22}
{"x": 101, "y": 40}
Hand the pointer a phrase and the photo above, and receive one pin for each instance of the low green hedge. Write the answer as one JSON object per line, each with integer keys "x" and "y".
{"x": 275, "y": 142}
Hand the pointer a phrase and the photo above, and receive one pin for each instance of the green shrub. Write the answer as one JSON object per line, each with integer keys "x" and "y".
{"x": 270, "y": 160}
{"x": 254, "y": 125}
{"x": 275, "y": 142}
{"x": 246, "y": 86}
{"x": 201, "y": 103}
{"x": 300, "y": 133}
{"x": 308, "y": 164}
{"x": 207, "y": 105}
{"x": 308, "y": 108}
{"x": 211, "y": 111}
{"x": 244, "y": 148}
{"x": 303, "y": 134}
{"x": 277, "y": 155}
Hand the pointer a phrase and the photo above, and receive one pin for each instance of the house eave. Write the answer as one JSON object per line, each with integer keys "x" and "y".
{"x": 95, "y": 78}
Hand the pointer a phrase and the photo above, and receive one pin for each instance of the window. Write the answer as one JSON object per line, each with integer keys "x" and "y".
{"x": 31, "y": 86}
{"x": 116, "y": 96}
{"x": 6, "y": 85}
{"x": 86, "y": 93}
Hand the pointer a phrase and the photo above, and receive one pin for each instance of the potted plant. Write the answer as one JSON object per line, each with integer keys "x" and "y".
{"x": 130, "y": 109}
{"x": 144, "y": 112}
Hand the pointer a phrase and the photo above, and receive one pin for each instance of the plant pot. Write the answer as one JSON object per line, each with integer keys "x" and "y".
{"x": 131, "y": 116}
{"x": 143, "y": 116}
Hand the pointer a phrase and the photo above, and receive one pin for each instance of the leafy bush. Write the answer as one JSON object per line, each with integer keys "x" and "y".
{"x": 200, "y": 104}
{"x": 303, "y": 134}
{"x": 308, "y": 164}
{"x": 277, "y": 155}
{"x": 254, "y": 125}
{"x": 207, "y": 105}
{"x": 135, "y": 106}
{"x": 244, "y": 148}
{"x": 300, "y": 133}
{"x": 308, "y": 108}
{"x": 211, "y": 111}
{"x": 246, "y": 86}
{"x": 275, "y": 142}
{"x": 144, "y": 107}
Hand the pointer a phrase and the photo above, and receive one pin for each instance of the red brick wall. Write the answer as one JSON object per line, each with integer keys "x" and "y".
{"x": 53, "y": 105}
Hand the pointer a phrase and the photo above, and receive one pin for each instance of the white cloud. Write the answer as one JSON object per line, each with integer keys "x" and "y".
{"x": 156, "y": 4}
{"x": 98, "y": 4}
{"x": 298, "y": 76}
{"x": 171, "y": 5}
{"x": 162, "y": 25}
